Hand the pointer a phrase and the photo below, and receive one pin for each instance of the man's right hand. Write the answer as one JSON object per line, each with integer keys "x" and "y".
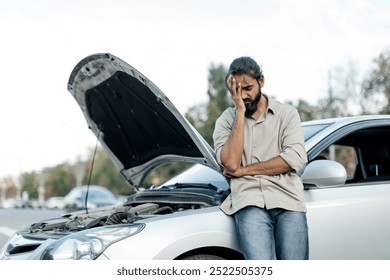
{"x": 236, "y": 93}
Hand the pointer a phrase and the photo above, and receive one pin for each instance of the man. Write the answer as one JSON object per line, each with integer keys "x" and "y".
{"x": 260, "y": 144}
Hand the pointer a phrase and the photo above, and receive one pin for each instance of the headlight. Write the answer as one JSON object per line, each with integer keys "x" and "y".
{"x": 89, "y": 244}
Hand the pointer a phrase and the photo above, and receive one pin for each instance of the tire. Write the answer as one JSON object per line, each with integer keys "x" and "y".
{"x": 202, "y": 257}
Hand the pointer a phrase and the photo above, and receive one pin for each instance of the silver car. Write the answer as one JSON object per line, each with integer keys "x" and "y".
{"x": 94, "y": 196}
{"x": 347, "y": 182}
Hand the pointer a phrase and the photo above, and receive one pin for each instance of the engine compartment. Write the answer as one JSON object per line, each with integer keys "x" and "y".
{"x": 138, "y": 206}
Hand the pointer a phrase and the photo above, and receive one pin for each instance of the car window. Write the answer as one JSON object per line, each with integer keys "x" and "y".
{"x": 343, "y": 154}
{"x": 364, "y": 153}
{"x": 164, "y": 172}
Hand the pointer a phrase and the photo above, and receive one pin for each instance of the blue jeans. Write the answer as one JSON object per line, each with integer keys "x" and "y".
{"x": 276, "y": 233}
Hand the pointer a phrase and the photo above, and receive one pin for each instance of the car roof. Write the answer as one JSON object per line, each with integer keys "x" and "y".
{"x": 341, "y": 121}
{"x": 330, "y": 125}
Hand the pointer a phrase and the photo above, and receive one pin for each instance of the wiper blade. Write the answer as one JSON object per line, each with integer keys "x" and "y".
{"x": 207, "y": 186}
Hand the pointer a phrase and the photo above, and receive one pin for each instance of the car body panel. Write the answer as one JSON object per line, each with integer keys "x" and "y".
{"x": 209, "y": 228}
{"x": 349, "y": 222}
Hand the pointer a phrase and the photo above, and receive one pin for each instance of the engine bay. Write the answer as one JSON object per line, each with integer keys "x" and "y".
{"x": 139, "y": 206}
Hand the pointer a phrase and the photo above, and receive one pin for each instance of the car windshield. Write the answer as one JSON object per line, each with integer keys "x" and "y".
{"x": 199, "y": 174}
{"x": 310, "y": 130}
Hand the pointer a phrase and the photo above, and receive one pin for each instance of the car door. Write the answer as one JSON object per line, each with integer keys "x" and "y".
{"x": 352, "y": 221}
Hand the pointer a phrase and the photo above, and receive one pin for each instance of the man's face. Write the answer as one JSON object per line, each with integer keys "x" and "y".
{"x": 251, "y": 92}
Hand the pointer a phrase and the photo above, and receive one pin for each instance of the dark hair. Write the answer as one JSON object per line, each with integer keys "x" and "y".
{"x": 244, "y": 65}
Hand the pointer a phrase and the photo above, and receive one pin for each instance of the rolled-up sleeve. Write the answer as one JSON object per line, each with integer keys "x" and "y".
{"x": 222, "y": 130}
{"x": 293, "y": 147}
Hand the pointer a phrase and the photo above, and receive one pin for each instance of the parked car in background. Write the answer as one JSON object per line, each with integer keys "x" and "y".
{"x": 347, "y": 182}
{"x": 90, "y": 197}
{"x": 11, "y": 203}
{"x": 55, "y": 202}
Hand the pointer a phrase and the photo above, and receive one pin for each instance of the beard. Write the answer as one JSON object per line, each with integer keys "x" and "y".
{"x": 252, "y": 107}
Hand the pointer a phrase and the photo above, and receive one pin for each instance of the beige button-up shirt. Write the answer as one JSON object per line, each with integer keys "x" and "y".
{"x": 277, "y": 132}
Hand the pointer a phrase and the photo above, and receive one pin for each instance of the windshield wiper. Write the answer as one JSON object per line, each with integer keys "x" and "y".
{"x": 207, "y": 186}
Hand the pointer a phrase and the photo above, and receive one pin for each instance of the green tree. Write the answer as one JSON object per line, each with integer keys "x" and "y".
{"x": 30, "y": 183}
{"x": 376, "y": 88}
{"x": 348, "y": 95}
{"x": 59, "y": 180}
{"x": 106, "y": 174}
{"x": 203, "y": 116}
{"x": 306, "y": 111}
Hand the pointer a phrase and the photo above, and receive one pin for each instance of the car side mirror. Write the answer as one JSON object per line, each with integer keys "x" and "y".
{"x": 324, "y": 174}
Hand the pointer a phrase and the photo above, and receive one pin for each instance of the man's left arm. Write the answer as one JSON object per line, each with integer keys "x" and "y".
{"x": 274, "y": 166}
{"x": 293, "y": 156}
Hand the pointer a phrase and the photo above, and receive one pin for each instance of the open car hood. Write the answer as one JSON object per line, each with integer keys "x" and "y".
{"x": 133, "y": 119}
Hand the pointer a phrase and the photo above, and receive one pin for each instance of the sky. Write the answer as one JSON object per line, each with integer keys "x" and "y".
{"x": 173, "y": 43}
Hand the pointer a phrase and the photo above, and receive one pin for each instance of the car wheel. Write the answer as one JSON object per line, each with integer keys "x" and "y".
{"x": 202, "y": 257}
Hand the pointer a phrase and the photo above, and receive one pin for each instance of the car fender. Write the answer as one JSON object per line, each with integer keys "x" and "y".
{"x": 170, "y": 236}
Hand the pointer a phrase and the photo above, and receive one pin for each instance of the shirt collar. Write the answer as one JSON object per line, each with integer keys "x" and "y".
{"x": 270, "y": 109}
{"x": 271, "y": 104}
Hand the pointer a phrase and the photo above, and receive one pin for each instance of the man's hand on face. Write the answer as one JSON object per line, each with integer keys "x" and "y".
{"x": 236, "y": 93}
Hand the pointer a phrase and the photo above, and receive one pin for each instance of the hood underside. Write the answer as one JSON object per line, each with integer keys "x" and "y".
{"x": 135, "y": 122}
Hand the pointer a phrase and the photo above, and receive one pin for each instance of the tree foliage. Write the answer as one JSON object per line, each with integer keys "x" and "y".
{"x": 30, "y": 183}
{"x": 348, "y": 95}
{"x": 106, "y": 174}
{"x": 376, "y": 87}
{"x": 203, "y": 116}
{"x": 58, "y": 180}
{"x": 306, "y": 111}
